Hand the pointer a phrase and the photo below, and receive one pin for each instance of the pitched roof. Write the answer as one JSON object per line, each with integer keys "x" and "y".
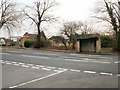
{"x": 34, "y": 36}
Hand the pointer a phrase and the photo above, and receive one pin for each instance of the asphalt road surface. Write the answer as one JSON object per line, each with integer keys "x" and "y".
{"x": 44, "y": 69}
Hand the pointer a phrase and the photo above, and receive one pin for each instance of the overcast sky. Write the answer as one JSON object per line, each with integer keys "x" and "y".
{"x": 72, "y": 9}
{"x": 68, "y": 10}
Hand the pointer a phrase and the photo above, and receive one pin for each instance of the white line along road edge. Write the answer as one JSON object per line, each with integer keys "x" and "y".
{"x": 102, "y": 73}
{"x": 73, "y": 70}
{"x": 37, "y": 79}
{"x": 89, "y": 72}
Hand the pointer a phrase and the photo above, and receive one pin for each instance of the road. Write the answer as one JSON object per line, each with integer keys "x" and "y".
{"x": 43, "y": 69}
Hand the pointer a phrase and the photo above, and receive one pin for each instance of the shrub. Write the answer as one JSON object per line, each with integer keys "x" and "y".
{"x": 47, "y": 43}
{"x": 106, "y": 41}
{"x": 29, "y": 43}
{"x": 20, "y": 45}
{"x": 42, "y": 43}
{"x": 12, "y": 44}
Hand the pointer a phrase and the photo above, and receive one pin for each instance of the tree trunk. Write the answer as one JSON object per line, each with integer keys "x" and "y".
{"x": 39, "y": 33}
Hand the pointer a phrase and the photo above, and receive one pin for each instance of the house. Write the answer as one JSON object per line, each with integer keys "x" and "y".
{"x": 28, "y": 36}
{"x": 6, "y": 42}
{"x": 57, "y": 40}
{"x": 90, "y": 43}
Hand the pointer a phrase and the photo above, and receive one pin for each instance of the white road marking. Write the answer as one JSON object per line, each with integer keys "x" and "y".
{"x": 21, "y": 63}
{"x": 46, "y": 69}
{"x": 30, "y": 64}
{"x": 38, "y": 79}
{"x": 61, "y": 68}
{"x": 1, "y": 60}
{"x": 24, "y": 66}
{"x": 73, "y": 70}
{"x": 56, "y": 70}
{"x": 118, "y": 75}
{"x": 117, "y": 62}
{"x": 87, "y": 61}
{"x": 90, "y": 72}
{"x": 101, "y": 62}
{"x": 35, "y": 56}
{"x": 51, "y": 67}
{"x": 41, "y": 66}
{"x": 6, "y": 61}
{"x": 5, "y": 53}
{"x": 9, "y": 63}
{"x": 35, "y": 67}
{"x": 102, "y": 73}
{"x": 16, "y": 64}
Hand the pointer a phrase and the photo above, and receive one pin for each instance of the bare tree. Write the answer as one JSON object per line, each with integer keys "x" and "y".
{"x": 86, "y": 29}
{"x": 59, "y": 39}
{"x": 69, "y": 30}
{"x": 39, "y": 13}
{"x": 111, "y": 12}
{"x": 9, "y": 16}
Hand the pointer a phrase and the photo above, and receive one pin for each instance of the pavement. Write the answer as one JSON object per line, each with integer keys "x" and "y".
{"x": 43, "y": 69}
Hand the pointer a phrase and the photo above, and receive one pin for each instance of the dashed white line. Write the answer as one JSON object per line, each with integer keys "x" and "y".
{"x": 8, "y": 63}
{"x": 61, "y": 68}
{"x": 92, "y": 72}
{"x": 21, "y": 63}
{"x": 73, "y": 70}
{"x": 118, "y": 75}
{"x": 24, "y": 66}
{"x": 57, "y": 70}
{"x": 1, "y": 60}
{"x": 87, "y": 59}
{"x": 102, "y": 73}
{"x": 22, "y": 84}
{"x": 41, "y": 66}
{"x": 35, "y": 67}
{"x": 46, "y": 69}
{"x": 51, "y": 67}
{"x": 16, "y": 64}
{"x": 30, "y": 64}
{"x": 117, "y": 62}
